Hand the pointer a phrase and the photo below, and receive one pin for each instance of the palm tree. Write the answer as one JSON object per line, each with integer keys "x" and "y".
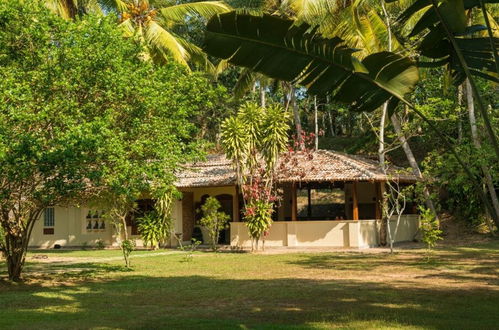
{"x": 154, "y": 26}
{"x": 153, "y": 23}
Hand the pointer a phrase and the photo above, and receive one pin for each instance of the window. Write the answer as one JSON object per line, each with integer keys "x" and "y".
{"x": 321, "y": 201}
{"x": 48, "y": 217}
{"x": 48, "y": 221}
{"x": 95, "y": 221}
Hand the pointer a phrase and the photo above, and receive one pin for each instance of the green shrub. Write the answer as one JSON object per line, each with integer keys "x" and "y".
{"x": 127, "y": 247}
{"x": 213, "y": 220}
{"x": 2, "y": 241}
{"x": 154, "y": 229}
{"x": 430, "y": 229}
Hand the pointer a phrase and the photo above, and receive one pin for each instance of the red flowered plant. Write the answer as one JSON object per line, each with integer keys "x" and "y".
{"x": 254, "y": 140}
{"x": 300, "y": 152}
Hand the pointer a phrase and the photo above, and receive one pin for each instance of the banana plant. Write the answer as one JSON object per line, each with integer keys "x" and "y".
{"x": 282, "y": 50}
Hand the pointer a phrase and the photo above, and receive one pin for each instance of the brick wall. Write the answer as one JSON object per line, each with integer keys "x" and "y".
{"x": 187, "y": 215}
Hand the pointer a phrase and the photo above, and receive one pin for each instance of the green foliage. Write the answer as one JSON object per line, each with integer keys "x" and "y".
{"x": 154, "y": 229}
{"x": 156, "y": 26}
{"x": 460, "y": 195}
{"x": 255, "y": 132}
{"x": 289, "y": 52}
{"x": 435, "y": 44}
{"x": 430, "y": 232}
{"x": 258, "y": 217}
{"x": 127, "y": 247}
{"x": 213, "y": 220}
{"x": 2, "y": 241}
{"x": 253, "y": 140}
{"x": 80, "y": 108}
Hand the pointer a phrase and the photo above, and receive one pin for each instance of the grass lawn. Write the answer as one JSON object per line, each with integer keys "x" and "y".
{"x": 91, "y": 289}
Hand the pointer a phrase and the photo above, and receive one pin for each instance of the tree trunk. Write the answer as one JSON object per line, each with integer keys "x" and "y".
{"x": 381, "y": 146}
{"x": 476, "y": 142}
{"x": 126, "y": 255}
{"x": 262, "y": 96}
{"x": 331, "y": 127}
{"x": 460, "y": 121}
{"x": 412, "y": 161}
{"x": 17, "y": 238}
{"x": 381, "y": 156}
{"x": 16, "y": 254}
{"x": 296, "y": 115}
{"x": 316, "y": 122}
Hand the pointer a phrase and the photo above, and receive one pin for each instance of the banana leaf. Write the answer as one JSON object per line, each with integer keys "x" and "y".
{"x": 280, "y": 49}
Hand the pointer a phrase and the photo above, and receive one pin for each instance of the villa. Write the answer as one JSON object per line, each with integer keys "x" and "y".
{"x": 329, "y": 199}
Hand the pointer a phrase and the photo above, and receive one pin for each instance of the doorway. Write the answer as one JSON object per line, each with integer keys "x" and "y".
{"x": 226, "y": 206}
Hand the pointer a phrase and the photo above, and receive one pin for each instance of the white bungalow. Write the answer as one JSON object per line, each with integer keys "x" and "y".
{"x": 329, "y": 199}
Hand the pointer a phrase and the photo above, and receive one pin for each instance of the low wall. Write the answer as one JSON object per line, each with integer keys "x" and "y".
{"x": 343, "y": 233}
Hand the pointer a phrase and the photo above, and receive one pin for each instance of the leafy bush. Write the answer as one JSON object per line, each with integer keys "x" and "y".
{"x": 258, "y": 217}
{"x": 154, "y": 229}
{"x": 430, "y": 230}
{"x": 127, "y": 247}
{"x": 213, "y": 220}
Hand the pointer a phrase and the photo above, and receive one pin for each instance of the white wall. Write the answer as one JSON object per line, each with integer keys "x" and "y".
{"x": 70, "y": 229}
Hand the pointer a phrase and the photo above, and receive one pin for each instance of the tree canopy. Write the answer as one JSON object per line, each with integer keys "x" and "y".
{"x": 82, "y": 114}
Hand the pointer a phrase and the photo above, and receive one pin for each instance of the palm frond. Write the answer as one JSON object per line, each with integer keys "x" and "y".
{"x": 206, "y": 9}
{"x": 64, "y": 8}
{"x": 477, "y": 51}
{"x": 164, "y": 43}
{"x": 118, "y": 6}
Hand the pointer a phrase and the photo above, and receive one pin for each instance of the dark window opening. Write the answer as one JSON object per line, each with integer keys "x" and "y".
{"x": 321, "y": 201}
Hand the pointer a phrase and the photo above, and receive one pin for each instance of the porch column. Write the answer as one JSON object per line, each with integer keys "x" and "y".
{"x": 235, "y": 205}
{"x": 355, "y": 213}
{"x": 294, "y": 207}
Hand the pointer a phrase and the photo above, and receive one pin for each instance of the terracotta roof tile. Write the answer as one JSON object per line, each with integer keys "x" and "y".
{"x": 324, "y": 165}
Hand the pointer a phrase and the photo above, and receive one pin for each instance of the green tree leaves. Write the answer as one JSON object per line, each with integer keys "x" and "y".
{"x": 81, "y": 115}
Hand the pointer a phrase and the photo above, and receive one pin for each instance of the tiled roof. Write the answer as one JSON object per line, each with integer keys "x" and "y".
{"x": 217, "y": 170}
{"x": 321, "y": 165}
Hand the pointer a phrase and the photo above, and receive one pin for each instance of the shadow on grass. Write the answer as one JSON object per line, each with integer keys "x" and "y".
{"x": 59, "y": 273}
{"x": 445, "y": 257}
{"x": 188, "y": 302}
